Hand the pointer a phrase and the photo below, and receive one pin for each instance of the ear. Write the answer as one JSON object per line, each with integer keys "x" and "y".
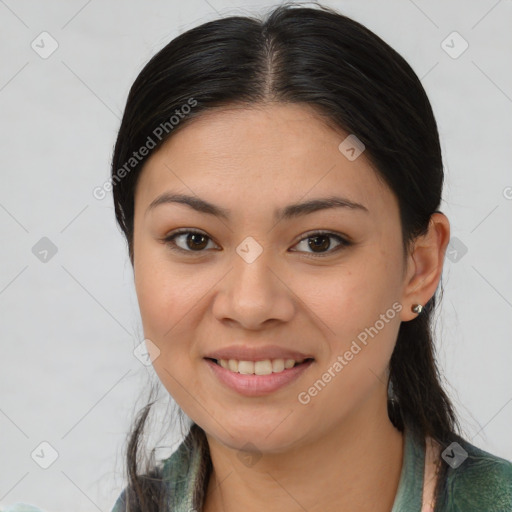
{"x": 425, "y": 265}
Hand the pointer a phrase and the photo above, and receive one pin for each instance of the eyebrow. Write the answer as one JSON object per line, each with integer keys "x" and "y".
{"x": 288, "y": 212}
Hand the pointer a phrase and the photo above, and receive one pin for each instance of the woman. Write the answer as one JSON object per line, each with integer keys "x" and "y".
{"x": 278, "y": 183}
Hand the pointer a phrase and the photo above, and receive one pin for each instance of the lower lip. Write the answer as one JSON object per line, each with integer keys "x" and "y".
{"x": 257, "y": 385}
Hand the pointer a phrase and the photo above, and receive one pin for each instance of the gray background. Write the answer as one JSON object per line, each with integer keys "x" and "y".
{"x": 69, "y": 324}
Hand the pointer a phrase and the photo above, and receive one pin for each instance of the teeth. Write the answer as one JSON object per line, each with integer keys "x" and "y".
{"x": 265, "y": 367}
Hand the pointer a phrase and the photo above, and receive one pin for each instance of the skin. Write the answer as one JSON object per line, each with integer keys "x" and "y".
{"x": 252, "y": 161}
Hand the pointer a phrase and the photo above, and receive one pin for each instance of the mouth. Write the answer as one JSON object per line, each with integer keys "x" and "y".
{"x": 257, "y": 378}
{"x": 262, "y": 367}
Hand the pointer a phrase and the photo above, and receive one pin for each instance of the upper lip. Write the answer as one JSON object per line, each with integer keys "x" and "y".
{"x": 245, "y": 353}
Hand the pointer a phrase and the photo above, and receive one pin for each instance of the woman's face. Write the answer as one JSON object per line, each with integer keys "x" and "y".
{"x": 253, "y": 279}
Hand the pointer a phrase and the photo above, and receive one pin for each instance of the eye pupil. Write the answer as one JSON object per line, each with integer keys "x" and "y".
{"x": 316, "y": 245}
{"x": 194, "y": 237}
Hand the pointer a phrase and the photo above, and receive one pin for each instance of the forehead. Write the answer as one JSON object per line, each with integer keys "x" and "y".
{"x": 267, "y": 154}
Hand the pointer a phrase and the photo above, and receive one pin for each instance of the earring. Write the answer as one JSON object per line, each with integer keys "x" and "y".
{"x": 417, "y": 308}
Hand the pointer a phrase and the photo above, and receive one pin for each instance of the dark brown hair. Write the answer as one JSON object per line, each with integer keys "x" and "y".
{"x": 359, "y": 84}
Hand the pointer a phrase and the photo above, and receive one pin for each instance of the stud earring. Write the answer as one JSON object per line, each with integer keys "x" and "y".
{"x": 417, "y": 308}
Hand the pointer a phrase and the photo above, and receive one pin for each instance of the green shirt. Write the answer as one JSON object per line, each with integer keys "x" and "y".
{"x": 478, "y": 482}
{"x": 481, "y": 483}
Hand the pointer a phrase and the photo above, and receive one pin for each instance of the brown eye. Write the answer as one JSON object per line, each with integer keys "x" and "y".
{"x": 190, "y": 240}
{"x": 320, "y": 243}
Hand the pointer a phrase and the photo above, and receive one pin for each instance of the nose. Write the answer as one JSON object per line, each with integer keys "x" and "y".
{"x": 253, "y": 294}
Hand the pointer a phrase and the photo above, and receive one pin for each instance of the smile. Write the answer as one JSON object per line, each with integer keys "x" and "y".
{"x": 264, "y": 367}
{"x": 243, "y": 376}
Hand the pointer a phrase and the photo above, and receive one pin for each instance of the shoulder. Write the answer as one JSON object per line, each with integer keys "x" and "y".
{"x": 476, "y": 480}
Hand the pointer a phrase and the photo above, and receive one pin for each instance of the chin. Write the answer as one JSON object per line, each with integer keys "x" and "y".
{"x": 271, "y": 436}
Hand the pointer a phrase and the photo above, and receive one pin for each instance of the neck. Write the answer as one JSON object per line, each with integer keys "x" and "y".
{"x": 352, "y": 467}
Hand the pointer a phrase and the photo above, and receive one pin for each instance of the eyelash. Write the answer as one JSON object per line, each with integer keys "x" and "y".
{"x": 343, "y": 242}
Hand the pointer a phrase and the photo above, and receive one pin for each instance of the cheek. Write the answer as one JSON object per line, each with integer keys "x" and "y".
{"x": 165, "y": 292}
{"x": 360, "y": 327}
{"x": 168, "y": 300}
{"x": 172, "y": 300}
{"x": 352, "y": 296}
{"x": 359, "y": 308}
